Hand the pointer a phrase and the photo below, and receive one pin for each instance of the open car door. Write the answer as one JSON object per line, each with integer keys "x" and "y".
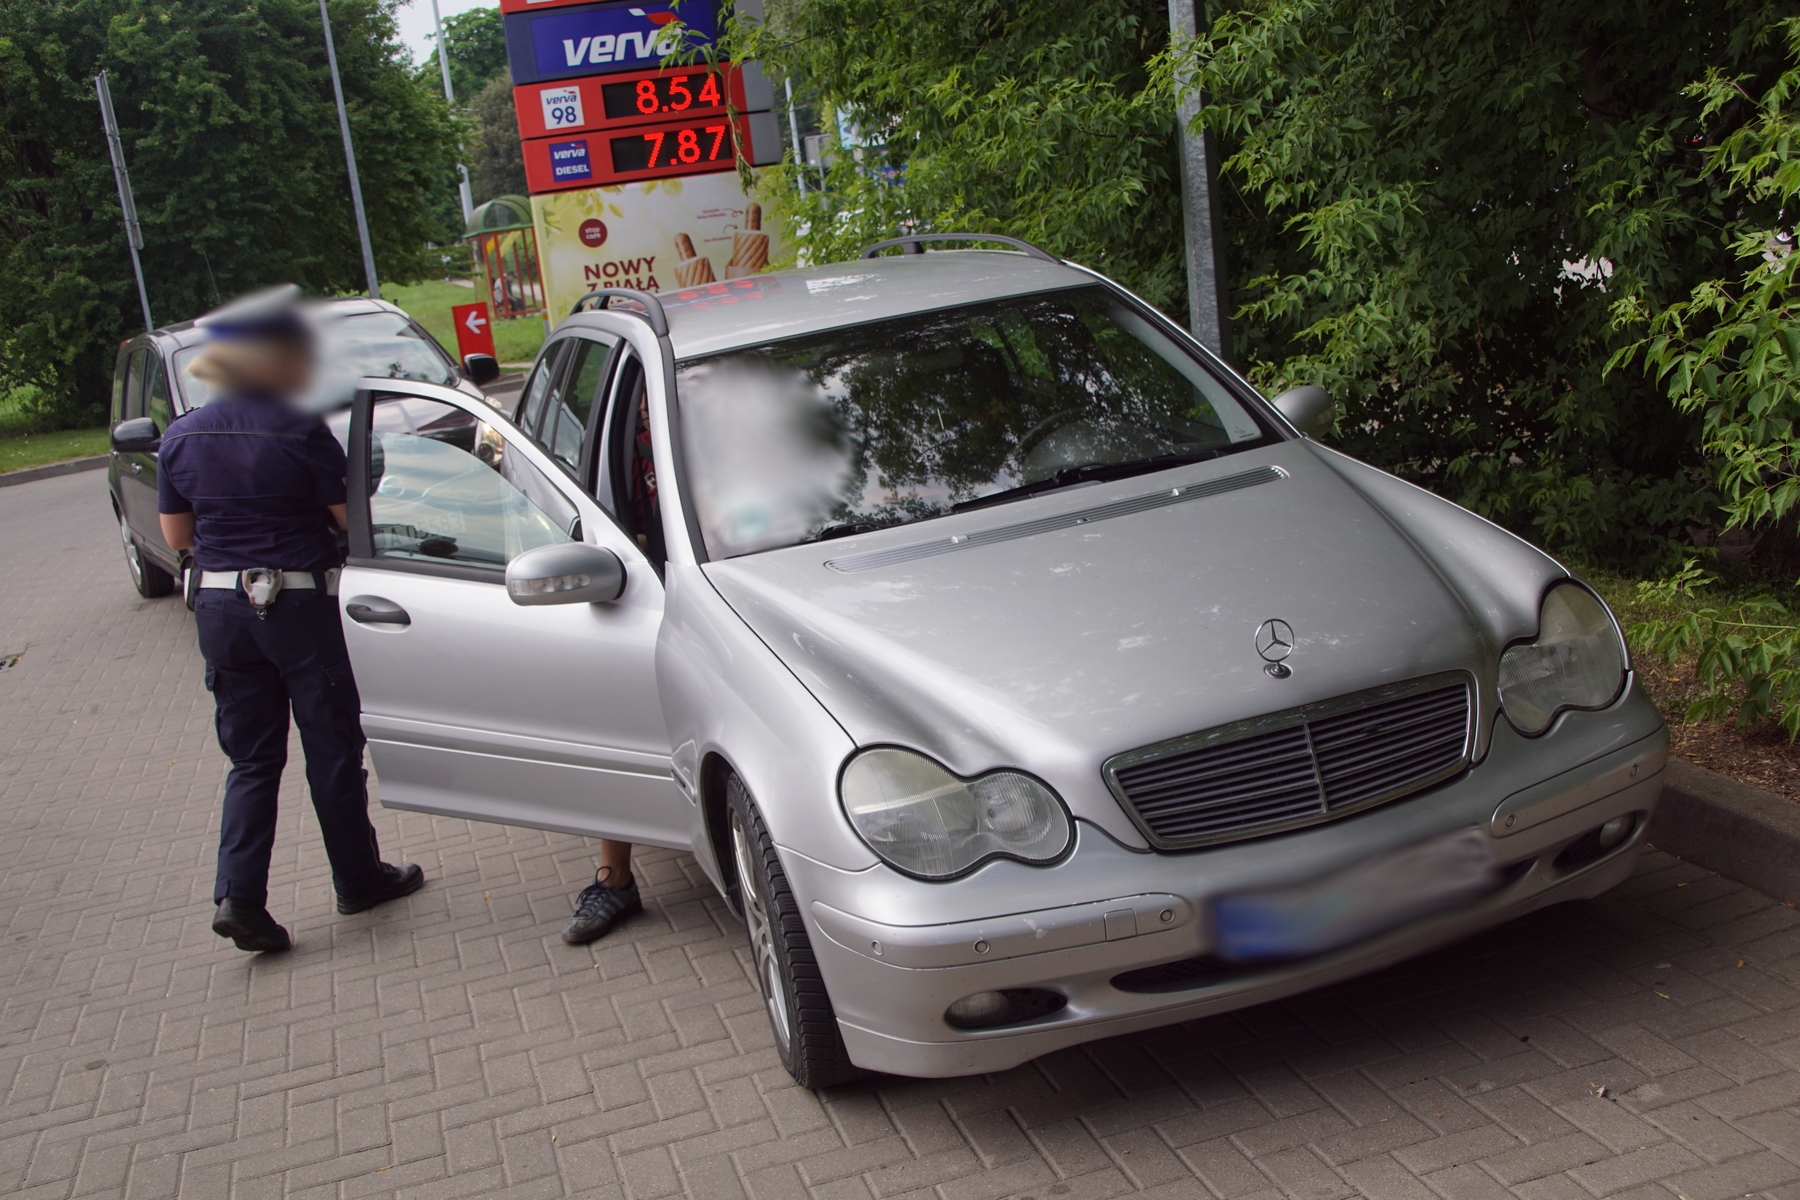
{"x": 475, "y": 706}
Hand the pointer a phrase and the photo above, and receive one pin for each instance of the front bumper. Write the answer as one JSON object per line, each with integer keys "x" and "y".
{"x": 894, "y": 961}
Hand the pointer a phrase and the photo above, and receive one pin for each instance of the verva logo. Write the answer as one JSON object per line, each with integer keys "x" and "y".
{"x": 601, "y": 38}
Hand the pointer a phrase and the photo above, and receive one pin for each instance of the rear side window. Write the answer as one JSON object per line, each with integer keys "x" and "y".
{"x": 566, "y": 434}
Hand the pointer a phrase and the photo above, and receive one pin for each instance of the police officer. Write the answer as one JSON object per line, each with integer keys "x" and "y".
{"x": 256, "y": 488}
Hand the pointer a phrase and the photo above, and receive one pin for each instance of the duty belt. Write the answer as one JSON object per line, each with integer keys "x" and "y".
{"x": 231, "y": 580}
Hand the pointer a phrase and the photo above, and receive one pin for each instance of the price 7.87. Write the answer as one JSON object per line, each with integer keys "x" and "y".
{"x": 672, "y": 149}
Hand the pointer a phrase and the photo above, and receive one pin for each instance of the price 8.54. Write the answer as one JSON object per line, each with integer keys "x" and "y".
{"x": 662, "y": 94}
{"x": 673, "y": 149}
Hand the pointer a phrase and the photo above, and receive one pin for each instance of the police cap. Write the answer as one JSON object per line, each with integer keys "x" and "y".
{"x": 271, "y": 314}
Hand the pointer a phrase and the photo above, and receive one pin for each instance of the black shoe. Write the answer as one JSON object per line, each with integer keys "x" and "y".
{"x": 598, "y": 908}
{"x": 398, "y": 882}
{"x": 250, "y": 926}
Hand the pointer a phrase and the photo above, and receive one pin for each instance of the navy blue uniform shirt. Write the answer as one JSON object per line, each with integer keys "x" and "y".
{"x": 257, "y": 476}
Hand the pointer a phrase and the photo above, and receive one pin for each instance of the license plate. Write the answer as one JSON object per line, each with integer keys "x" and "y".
{"x": 1369, "y": 898}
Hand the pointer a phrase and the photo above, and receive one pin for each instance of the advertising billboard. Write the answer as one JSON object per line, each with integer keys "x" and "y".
{"x": 663, "y": 236}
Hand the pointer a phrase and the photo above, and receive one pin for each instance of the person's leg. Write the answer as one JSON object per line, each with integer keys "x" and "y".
{"x": 304, "y": 636}
{"x": 615, "y": 864}
{"x": 603, "y": 903}
{"x": 250, "y": 716}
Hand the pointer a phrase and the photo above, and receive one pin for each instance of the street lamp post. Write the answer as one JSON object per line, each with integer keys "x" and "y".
{"x": 134, "y": 233}
{"x": 468, "y": 197}
{"x": 356, "y": 200}
{"x": 1207, "y": 308}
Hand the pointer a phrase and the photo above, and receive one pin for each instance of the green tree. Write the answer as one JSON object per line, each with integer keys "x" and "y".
{"x": 496, "y": 161}
{"x": 1436, "y": 206}
{"x": 476, "y": 41}
{"x": 1036, "y": 119}
{"x": 230, "y": 132}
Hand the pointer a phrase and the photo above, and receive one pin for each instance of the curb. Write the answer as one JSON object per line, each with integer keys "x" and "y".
{"x": 1742, "y": 832}
{"x": 51, "y": 470}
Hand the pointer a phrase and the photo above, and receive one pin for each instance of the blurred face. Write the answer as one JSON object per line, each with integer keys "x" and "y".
{"x": 277, "y": 367}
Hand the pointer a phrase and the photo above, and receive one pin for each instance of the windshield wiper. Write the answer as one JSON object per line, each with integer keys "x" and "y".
{"x": 846, "y": 529}
{"x": 1086, "y": 473}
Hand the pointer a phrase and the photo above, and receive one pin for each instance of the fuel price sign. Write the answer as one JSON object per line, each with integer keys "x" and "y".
{"x": 651, "y": 151}
{"x": 640, "y": 97}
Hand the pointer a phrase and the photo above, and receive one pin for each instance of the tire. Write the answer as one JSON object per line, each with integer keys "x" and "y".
{"x": 150, "y": 580}
{"x": 806, "y": 1029}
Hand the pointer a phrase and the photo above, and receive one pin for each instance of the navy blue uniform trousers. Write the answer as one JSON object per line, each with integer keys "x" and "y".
{"x": 256, "y": 670}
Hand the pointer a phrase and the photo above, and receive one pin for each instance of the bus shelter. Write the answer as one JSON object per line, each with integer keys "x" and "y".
{"x": 506, "y": 247}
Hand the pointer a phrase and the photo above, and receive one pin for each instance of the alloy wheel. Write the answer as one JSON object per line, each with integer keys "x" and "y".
{"x": 762, "y": 936}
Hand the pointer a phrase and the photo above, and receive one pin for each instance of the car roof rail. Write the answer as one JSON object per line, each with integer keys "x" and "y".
{"x": 651, "y": 306}
{"x": 910, "y": 245}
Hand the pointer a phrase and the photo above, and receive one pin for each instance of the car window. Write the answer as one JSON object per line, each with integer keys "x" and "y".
{"x": 445, "y": 488}
{"x": 631, "y": 473}
{"x": 859, "y": 428}
{"x": 537, "y": 388}
{"x": 158, "y": 405}
{"x": 121, "y": 369}
{"x": 566, "y": 429}
{"x": 134, "y": 383}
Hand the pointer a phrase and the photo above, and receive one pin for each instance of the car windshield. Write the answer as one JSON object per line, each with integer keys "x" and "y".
{"x": 382, "y": 344}
{"x": 861, "y": 428}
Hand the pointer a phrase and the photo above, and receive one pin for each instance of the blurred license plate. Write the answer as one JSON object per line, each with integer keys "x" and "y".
{"x": 1368, "y": 898}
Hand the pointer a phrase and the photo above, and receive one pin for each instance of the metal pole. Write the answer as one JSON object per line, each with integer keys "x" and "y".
{"x": 468, "y": 197}
{"x": 356, "y": 201}
{"x": 794, "y": 134}
{"x": 134, "y": 234}
{"x": 1207, "y": 308}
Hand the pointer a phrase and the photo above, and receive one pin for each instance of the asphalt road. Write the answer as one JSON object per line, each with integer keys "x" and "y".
{"x": 1643, "y": 1045}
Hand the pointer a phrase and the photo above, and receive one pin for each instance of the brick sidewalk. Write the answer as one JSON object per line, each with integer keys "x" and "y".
{"x": 451, "y": 1045}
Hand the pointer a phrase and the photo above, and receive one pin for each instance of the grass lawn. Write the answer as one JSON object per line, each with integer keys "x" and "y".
{"x": 429, "y": 304}
{"x": 22, "y": 446}
{"x": 36, "y": 449}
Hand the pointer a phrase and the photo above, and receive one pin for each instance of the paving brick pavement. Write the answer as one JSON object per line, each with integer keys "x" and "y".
{"x": 1643, "y": 1045}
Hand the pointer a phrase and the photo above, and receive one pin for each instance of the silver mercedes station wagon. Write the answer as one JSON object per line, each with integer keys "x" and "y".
{"x": 1017, "y": 672}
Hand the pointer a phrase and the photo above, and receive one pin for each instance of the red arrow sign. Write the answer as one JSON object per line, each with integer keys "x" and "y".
{"x": 474, "y": 329}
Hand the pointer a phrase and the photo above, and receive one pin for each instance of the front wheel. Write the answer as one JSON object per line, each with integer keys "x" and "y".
{"x": 150, "y": 580}
{"x": 793, "y": 991}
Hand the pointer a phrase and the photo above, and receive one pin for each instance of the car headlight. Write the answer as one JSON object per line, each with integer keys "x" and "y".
{"x": 925, "y": 821}
{"x": 1577, "y": 661}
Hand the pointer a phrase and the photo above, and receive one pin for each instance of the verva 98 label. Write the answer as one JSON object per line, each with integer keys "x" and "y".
{"x": 562, "y": 107}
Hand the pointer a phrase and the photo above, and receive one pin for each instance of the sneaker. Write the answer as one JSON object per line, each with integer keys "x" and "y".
{"x": 249, "y": 926}
{"x": 399, "y": 881}
{"x": 598, "y": 908}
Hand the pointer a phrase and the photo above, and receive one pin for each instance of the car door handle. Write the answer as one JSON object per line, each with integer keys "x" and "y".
{"x": 372, "y": 610}
{"x": 137, "y": 468}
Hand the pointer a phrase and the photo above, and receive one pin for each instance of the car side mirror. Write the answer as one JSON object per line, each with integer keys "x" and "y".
{"x": 481, "y": 368}
{"x": 136, "y": 436}
{"x": 566, "y": 573}
{"x": 1308, "y": 409}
